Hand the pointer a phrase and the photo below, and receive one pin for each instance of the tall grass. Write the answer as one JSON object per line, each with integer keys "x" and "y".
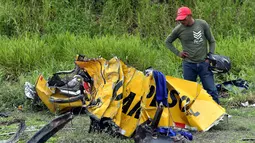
{"x": 44, "y": 36}
{"x": 56, "y": 52}
{"x": 22, "y": 55}
{"x": 146, "y": 18}
{"x": 23, "y": 59}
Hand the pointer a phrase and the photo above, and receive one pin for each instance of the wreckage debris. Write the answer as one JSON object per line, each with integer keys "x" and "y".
{"x": 4, "y": 115}
{"x": 128, "y": 98}
{"x": 51, "y": 128}
{"x": 248, "y": 104}
{"x": 20, "y": 130}
{"x": 235, "y": 86}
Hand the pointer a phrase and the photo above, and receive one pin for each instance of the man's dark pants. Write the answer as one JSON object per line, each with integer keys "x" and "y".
{"x": 192, "y": 70}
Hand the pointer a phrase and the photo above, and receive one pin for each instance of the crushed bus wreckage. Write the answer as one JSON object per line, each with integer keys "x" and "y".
{"x": 129, "y": 99}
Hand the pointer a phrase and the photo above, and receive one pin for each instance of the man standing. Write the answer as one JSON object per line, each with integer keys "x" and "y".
{"x": 194, "y": 35}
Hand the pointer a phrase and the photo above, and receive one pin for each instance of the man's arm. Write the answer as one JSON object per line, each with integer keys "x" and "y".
{"x": 210, "y": 38}
{"x": 169, "y": 42}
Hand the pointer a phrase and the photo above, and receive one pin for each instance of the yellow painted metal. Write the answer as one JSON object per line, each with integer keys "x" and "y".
{"x": 45, "y": 93}
{"x": 127, "y": 96}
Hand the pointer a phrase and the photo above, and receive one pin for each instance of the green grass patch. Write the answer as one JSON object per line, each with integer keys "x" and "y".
{"x": 231, "y": 130}
{"x": 23, "y": 59}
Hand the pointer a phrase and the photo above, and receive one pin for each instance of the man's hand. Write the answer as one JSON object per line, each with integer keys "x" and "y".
{"x": 183, "y": 54}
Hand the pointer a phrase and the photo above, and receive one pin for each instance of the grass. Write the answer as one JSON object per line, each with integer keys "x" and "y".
{"x": 146, "y": 18}
{"x": 239, "y": 126}
{"x": 232, "y": 130}
{"x": 23, "y": 59}
{"x": 43, "y": 37}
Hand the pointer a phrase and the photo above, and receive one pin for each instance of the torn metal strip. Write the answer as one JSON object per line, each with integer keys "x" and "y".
{"x": 51, "y": 128}
{"x": 21, "y": 128}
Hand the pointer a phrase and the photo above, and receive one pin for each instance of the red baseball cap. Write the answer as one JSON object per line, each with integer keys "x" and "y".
{"x": 182, "y": 13}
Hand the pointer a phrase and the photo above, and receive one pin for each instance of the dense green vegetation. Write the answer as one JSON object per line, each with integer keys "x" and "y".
{"x": 44, "y": 36}
{"x": 240, "y": 126}
{"x": 146, "y": 18}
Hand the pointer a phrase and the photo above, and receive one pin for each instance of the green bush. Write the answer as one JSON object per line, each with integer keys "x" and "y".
{"x": 44, "y": 36}
{"x": 146, "y": 18}
{"x": 23, "y": 59}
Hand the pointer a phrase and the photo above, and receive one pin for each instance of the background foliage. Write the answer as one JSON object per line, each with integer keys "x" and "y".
{"x": 43, "y": 36}
{"x": 146, "y": 18}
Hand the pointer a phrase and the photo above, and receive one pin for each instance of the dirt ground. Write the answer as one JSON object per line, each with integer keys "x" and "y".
{"x": 240, "y": 127}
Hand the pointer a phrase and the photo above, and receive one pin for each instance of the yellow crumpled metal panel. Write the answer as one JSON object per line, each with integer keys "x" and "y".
{"x": 127, "y": 96}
